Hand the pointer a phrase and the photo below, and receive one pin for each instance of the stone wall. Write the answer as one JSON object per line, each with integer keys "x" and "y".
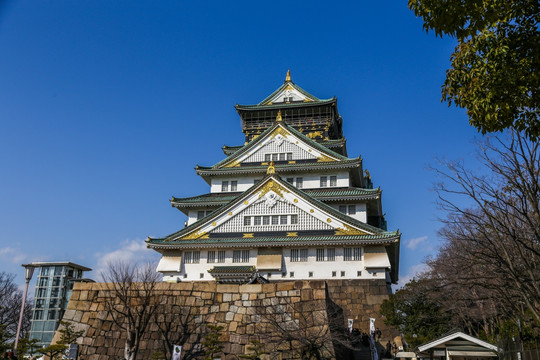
{"x": 309, "y": 310}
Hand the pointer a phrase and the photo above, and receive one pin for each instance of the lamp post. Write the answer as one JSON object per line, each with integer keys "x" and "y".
{"x": 29, "y": 271}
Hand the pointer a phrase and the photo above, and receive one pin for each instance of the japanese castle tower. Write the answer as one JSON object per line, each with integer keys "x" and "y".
{"x": 289, "y": 204}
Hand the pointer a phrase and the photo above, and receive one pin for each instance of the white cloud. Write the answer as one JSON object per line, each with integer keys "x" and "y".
{"x": 133, "y": 251}
{"x": 413, "y": 243}
{"x": 412, "y": 272}
{"x": 12, "y": 255}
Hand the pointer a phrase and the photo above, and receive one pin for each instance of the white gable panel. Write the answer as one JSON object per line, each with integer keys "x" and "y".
{"x": 305, "y": 220}
{"x": 288, "y": 93}
{"x": 278, "y": 145}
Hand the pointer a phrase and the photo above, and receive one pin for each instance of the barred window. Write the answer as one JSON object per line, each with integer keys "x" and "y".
{"x": 320, "y": 255}
{"x": 333, "y": 180}
{"x": 240, "y": 256}
{"x": 347, "y": 254}
{"x": 294, "y": 219}
{"x": 247, "y": 220}
{"x": 295, "y": 255}
{"x": 267, "y": 157}
{"x": 324, "y": 181}
{"x": 224, "y": 186}
{"x": 303, "y": 255}
{"x": 256, "y": 220}
{"x": 266, "y": 220}
{"x": 330, "y": 254}
{"x": 221, "y": 256}
{"x": 299, "y": 182}
{"x": 211, "y": 258}
{"x": 234, "y": 185}
{"x": 270, "y": 220}
{"x": 283, "y": 220}
{"x": 192, "y": 257}
{"x": 290, "y": 180}
{"x": 352, "y": 209}
{"x": 357, "y": 254}
{"x": 289, "y": 156}
{"x": 275, "y": 219}
{"x": 200, "y": 215}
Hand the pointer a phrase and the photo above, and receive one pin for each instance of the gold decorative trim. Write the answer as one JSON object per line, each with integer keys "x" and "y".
{"x": 328, "y": 220}
{"x": 315, "y": 134}
{"x": 246, "y": 202}
{"x": 292, "y": 162}
{"x": 295, "y": 201}
{"x": 348, "y": 230}
{"x": 288, "y": 76}
{"x": 278, "y": 117}
{"x": 279, "y": 131}
{"x": 292, "y": 234}
{"x": 324, "y": 158}
{"x": 248, "y": 236}
{"x": 230, "y": 213}
{"x": 311, "y": 211}
{"x": 309, "y": 150}
{"x": 234, "y": 163}
{"x": 214, "y": 223}
{"x": 194, "y": 235}
{"x": 270, "y": 186}
{"x": 271, "y": 169}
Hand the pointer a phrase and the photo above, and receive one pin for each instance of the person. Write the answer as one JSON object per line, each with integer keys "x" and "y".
{"x": 11, "y": 355}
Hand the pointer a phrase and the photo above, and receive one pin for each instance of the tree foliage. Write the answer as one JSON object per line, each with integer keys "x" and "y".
{"x": 418, "y": 316}
{"x": 494, "y": 70}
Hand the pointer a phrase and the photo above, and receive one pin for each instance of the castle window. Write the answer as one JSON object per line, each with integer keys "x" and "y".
{"x": 275, "y": 219}
{"x": 290, "y": 180}
{"x": 201, "y": 276}
{"x": 331, "y": 254}
{"x": 211, "y": 257}
{"x": 303, "y": 255}
{"x": 291, "y": 274}
{"x": 240, "y": 256}
{"x": 266, "y": 220}
{"x": 320, "y": 255}
{"x": 224, "y": 186}
{"x": 221, "y": 256}
{"x": 267, "y": 157}
{"x": 270, "y": 220}
{"x": 343, "y": 274}
{"x": 358, "y": 273}
{"x": 295, "y": 255}
{"x": 234, "y": 185}
{"x": 283, "y": 219}
{"x": 324, "y": 181}
{"x": 299, "y": 182}
{"x": 256, "y": 220}
{"x": 347, "y": 209}
{"x": 294, "y": 219}
{"x": 333, "y": 180}
{"x": 185, "y": 275}
{"x": 352, "y": 254}
{"x": 247, "y": 220}
{"x": 289, "y": 156}
{"x": 192, "y": 257}
{"x": 333, "y": 274}
{"x": 311, "y": 274}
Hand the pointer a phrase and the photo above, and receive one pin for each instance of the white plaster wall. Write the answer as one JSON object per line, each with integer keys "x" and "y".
{"x": 320, "y": 269}
{"x": 311, "y": 181}
{"x": 361, "y": 210}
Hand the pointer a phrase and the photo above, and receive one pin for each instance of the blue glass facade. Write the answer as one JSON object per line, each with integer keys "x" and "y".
{"x": 53, "y": 290}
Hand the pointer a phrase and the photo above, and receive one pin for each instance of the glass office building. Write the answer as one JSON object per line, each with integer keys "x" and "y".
{"x": 53, "y": 289}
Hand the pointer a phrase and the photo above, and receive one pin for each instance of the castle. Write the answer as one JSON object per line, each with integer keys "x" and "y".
{"x": 289, "y": 204}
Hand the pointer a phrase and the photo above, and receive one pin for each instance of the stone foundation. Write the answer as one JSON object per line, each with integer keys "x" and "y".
{"x": 312, "y": 310}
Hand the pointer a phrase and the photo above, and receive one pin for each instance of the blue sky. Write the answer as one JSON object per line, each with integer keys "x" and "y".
{"x": 107, "y": 106}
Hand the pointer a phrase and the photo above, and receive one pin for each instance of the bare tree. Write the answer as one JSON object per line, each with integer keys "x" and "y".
{"x": 132, "y": 300}
{"x": 306, "y": 329}
{"x": 10, "y": 305}
{"x": 181, "y": 325}
{"x": 492, "y": 232}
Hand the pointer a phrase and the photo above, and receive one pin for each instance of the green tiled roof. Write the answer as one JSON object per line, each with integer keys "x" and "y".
{"x": 286, "y": 105}
{"x": 286, "y": 83}
{"x": 232, "y": 270}
{"x": 384, "y": 238}
{"x": 320, "y": 194}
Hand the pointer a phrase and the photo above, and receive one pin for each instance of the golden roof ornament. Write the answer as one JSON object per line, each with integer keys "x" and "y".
{"x": 278, "y": 117}
{"x": 271, "y": 169}
{"x": 288, "y": 76}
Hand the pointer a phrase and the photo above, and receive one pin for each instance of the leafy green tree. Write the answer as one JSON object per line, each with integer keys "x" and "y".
{"x": 495, "y": 67}
{"x": 418, "y": 317}
{"x": 68, "y": 335}
{"x": 212, "y": 343}
{"x": 27, "y": 347}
